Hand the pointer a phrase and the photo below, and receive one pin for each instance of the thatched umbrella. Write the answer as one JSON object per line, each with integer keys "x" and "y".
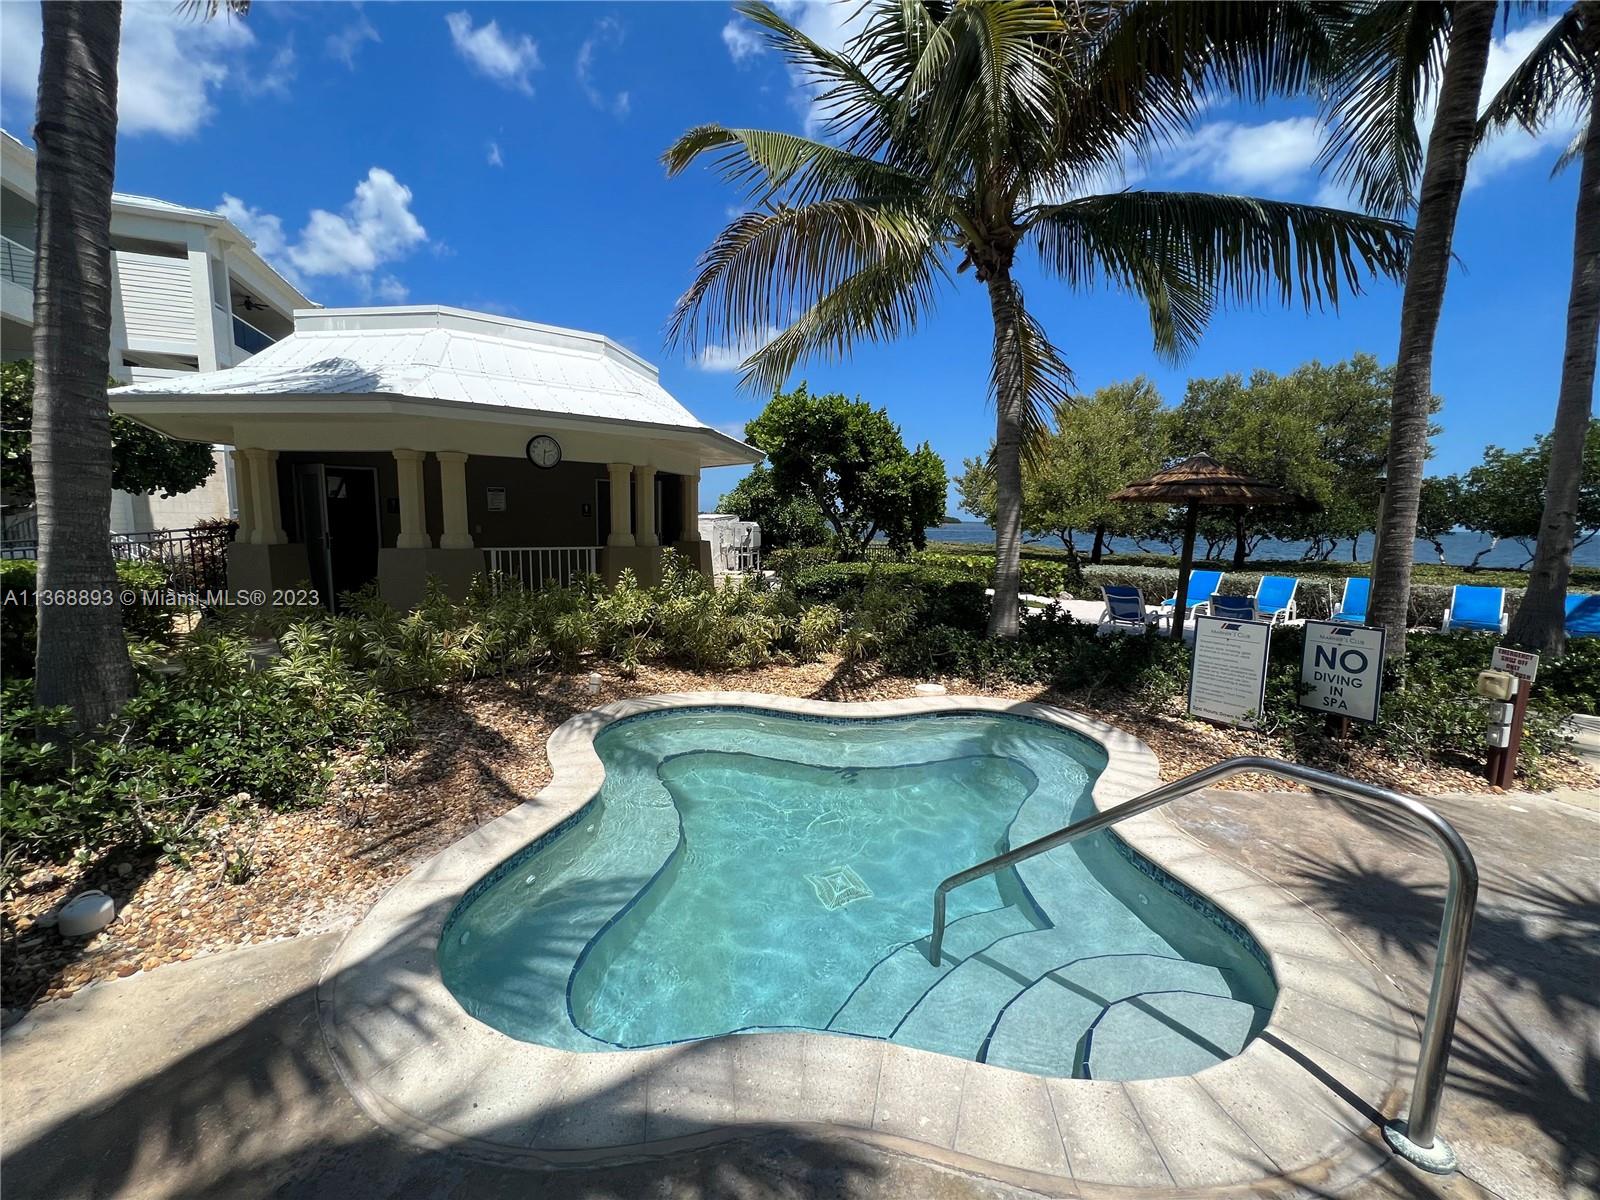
{"x": 1197, "y": 482}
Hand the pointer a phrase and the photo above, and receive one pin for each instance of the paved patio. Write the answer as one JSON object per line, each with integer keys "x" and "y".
{"x": 210, "y": 1078}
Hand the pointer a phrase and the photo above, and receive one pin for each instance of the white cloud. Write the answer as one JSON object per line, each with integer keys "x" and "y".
{"x": 829, "y": 25}
{"x": 1274, "y": 154}
{"x": 390, "y": 290}
{"x": 608, "y": 32}
{"x": 376, "y": 227}
{"x": 729, "y": 358}
{"x": 508, "y": 60}
{"x": 170, "y": 66}
{"x": 495, "y": 158}
{"x": 347, "y": 43}
{"x": 278, "y": 76}
{"x": 1514, "y": 145}
{"x": 742, "y": 41}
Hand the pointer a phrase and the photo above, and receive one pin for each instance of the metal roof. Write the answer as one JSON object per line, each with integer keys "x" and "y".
{"x": 446, "y": 355}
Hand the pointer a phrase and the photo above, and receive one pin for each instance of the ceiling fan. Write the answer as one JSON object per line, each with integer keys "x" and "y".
{"x": 249, "y": 303}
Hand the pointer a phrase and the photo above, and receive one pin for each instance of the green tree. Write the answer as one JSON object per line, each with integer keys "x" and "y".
{"x": 787, "y": 519}
{"x": 82, "y": 660}
{"x": 953, "y": 136}
{"x": 848, "y": 460}
{"x": 1117, "y": 435}
{"x": 1440, "y": 511}
{"x": 1393, "y": 59}
{"x": 1563, "y": 70}
{"x": 142, "y": 460}
{"x": 1504, "y": 495}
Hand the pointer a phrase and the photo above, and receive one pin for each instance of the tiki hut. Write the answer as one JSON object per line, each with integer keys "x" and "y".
{"x": 1195, "y": 483}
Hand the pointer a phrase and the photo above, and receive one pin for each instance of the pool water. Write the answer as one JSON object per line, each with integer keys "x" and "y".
{"x": 744, "y": 871}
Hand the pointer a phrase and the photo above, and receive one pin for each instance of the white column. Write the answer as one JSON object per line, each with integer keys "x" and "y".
{"x": 453, "y": 500}
{"x": 413, "y": 520}
{"x": 645, "y": 479}
{"x": 621, "y": 505}
{"x": 691, "y": 508}
{"x": 244, "y": 474}
{"x": 272, "y": 522}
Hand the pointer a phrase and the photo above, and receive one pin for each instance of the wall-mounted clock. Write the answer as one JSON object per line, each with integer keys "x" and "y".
{"x": 544, "y": 451}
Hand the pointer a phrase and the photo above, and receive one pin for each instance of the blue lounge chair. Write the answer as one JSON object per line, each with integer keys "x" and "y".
{"x": 1476, "y": 609}
{"x": 1353, "y": 608}
{"x": 1583, "y": 616}
{"x": 1275, "y": 597}
{"x": 1202, "y": 586}
{"x": 1235, "y": 608}
{"x": 1125, "y": 608}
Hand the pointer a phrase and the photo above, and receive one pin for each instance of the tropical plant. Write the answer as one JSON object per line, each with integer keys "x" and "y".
{"x": 83, "y": 661}
{"x": 1392, "y": 60}
{"x": 848, "y": 460}
{"x": 142, "y": 460}
{"x": 1505, "y": 496}
{"x": 1560, "y": 74}
{"x": 954, "y": 135}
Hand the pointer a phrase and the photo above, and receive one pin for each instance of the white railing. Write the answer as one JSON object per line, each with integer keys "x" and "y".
{"x": 741, "y": 560}
{"x": 535, "y": 566}
{"x": 16, "y": 262}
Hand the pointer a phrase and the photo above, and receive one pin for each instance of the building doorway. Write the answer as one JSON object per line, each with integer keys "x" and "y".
{"x": 337, "y": 509}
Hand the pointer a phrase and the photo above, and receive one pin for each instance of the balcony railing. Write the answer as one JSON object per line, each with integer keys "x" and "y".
{"x": 248, "y": 338}
{"x": 16, "y": 262}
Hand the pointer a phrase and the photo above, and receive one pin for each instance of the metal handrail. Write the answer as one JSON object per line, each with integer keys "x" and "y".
{"x": 1416, "y": 1135}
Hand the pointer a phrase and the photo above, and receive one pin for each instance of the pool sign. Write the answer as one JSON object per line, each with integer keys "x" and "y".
{"x": 1228, "y": 673}
{"x": 1341, "y": 670}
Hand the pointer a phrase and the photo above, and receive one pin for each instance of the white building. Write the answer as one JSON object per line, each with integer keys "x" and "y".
{"x": 189, "y": 293}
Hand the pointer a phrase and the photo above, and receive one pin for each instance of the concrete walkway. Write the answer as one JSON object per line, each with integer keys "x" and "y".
{"x": 209, "y": 1078}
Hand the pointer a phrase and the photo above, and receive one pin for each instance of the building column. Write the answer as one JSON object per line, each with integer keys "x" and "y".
{"x": 621, "y": 505}
{"x": 267, "y": 516}
{"x": 245, "y": 493}
{"x": 453, "y": 500}
{"x": 413, "y": 518}
{"x": 645, "y": 478}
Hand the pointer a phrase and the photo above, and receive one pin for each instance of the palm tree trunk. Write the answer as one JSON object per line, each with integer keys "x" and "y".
{"x": 1010, "y": 398}
{"x": 1444, "y": 174}
{"x": 82, "y": 658}
{"x": 1541, "y": 621}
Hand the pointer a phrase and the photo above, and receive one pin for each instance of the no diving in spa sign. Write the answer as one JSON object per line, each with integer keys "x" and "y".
{"x": 1341, "y": 670}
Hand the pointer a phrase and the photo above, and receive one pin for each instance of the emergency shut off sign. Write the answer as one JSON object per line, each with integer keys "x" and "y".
{"x": 1341, "y": 670}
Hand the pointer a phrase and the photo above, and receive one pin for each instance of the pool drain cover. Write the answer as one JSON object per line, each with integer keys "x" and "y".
{"x": 838, "y": 887}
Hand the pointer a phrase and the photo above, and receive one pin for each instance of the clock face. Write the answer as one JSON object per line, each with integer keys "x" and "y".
{"x": 544, "y": 451}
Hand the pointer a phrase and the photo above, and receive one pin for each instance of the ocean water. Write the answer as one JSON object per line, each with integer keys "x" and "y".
{"x": 1459, "y": 547}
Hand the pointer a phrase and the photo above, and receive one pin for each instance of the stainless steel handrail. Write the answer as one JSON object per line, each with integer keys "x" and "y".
{"x": 1413, "y": 1138}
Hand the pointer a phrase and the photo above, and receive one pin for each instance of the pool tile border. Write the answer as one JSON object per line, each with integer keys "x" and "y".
{"x": 1300, "y": 1106}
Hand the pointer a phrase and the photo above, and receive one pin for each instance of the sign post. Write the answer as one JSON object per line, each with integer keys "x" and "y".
{"x": 1341, "y": 671}
{"x": 1228, "y": 670}
{"x": 1502, "y": 768}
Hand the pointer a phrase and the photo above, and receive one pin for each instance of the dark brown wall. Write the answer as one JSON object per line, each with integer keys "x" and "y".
{"x": 543, "y": 507}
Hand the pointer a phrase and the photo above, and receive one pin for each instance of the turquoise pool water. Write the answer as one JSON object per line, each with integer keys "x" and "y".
{"x": 743, "y": 871}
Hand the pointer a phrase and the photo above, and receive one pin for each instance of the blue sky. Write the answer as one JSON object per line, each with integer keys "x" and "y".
{"x": 506, "y": 157}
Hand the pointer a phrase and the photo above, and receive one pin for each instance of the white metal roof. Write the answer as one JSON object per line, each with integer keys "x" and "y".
{"x": 445, "y": 355}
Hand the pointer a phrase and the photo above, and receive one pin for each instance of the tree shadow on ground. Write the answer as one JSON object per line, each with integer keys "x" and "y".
{"x": 261, "y": 1110}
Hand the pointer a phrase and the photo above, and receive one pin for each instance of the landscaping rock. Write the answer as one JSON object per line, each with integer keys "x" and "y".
{"x": 86, "y": 913}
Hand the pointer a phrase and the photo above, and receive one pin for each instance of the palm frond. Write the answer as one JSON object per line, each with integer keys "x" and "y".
{"x": 1392, "y": 56}
{"x": 1186, "y": 252}
{"x": 766, "y": 164}
{"x": 1558, "y": 73}
{"x": 1025, "y": 358}
{"x": 766, "y": 268}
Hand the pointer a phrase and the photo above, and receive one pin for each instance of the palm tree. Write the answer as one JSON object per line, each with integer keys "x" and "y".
{"x": 1561, "y": 72}
{"x": 82, "y": 659}
{"x": 954, "y": 135}
{"x": 1392, "y": 56}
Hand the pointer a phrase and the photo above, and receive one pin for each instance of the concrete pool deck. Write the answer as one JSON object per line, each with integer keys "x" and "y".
{"x": 211, "y": 1078}
{"x": 1301, "y": 1104}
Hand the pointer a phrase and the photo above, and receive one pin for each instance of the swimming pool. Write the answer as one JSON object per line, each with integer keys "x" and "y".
{"x": 745, "y": 870}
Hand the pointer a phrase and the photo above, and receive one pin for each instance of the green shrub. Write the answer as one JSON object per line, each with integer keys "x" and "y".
{"x": 182, "y": 746}
{"x": 20, "y": 623}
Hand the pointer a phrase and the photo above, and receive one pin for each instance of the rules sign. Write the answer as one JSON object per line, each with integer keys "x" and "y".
{"x": 1341, "y": 670}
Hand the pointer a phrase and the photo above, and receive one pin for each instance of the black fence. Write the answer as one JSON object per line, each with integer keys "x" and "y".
{"x": 196, "y": 560}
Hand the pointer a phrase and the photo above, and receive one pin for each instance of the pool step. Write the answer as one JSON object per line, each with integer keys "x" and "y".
{"x": 1045, "y": 1028}
{"x": 1183, "y": 1031}
{"x": 900, "y": 979}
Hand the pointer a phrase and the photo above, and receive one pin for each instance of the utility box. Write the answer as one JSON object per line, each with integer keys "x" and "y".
{"x": 1497, "y": 685}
